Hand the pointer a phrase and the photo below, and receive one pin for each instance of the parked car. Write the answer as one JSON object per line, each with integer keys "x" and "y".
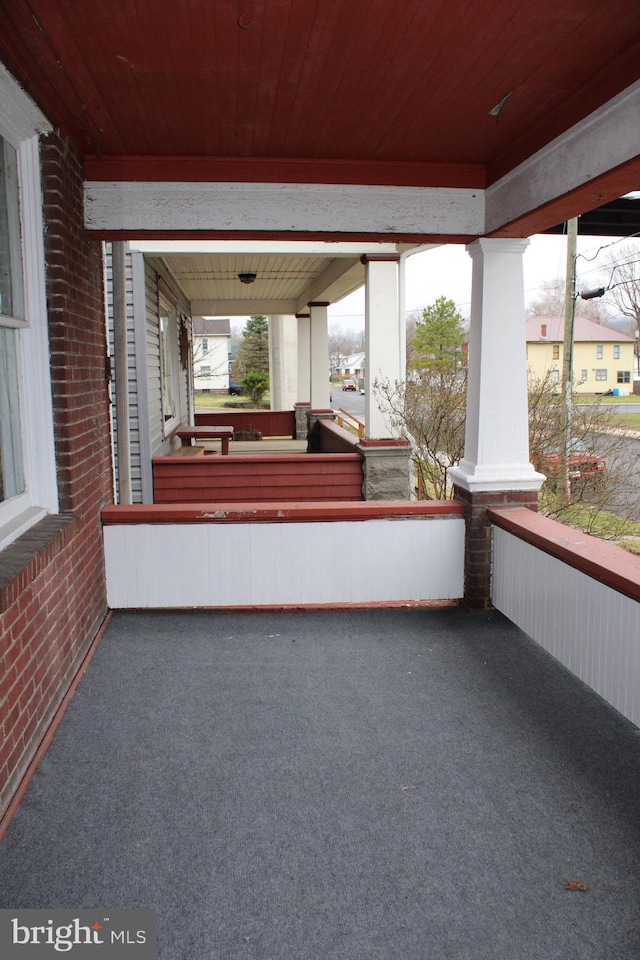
{"x": 585, "y": 467}
{"x": 348, "y": 385}
{"x": 235, "y": 390}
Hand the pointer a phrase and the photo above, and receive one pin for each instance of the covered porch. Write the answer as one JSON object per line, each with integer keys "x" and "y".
{"x": 297, "y": 782}
{"x": 361, "y": 783}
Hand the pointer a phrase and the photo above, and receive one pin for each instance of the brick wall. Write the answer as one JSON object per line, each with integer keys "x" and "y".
{"x": 478, "y": 552}
{"x": 52, "y": 590}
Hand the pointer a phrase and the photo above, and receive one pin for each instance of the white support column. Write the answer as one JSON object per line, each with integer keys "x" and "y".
{"x": 304, "y": 358}
{"x": 283, "y": 362}
{"x": 383, "y": 341}
{"x": 496, "y": 456}
{"x": 402, "y": 315}
{"x": 319, "y": 360}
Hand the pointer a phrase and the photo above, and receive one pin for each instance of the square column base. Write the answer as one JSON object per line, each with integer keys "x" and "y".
{"x": 478, "y": 546}
{"x": 387, "y": 469}
{"x": 302, "y": 423}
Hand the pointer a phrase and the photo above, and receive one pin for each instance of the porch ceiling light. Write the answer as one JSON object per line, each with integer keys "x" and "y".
{"x": 246, "y": 277}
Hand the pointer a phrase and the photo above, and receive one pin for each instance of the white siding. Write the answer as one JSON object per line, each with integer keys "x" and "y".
{"x": 132, "y": 375}
{"x": 143, "y": 349}
{"x": 218, "y": 565}
{"x": 589, "y": 627}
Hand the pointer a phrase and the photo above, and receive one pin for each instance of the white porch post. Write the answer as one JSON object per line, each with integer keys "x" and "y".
{"x": 496, "y": 454}
{"x": 495, "y": 469}
{"x": 283, "y": 362}
{"x": 304, "y": 358}
{"x": 319, "y": 360}
{"x": 383, "y": 341}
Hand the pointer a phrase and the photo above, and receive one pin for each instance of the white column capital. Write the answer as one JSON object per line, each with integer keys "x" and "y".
{"x": 485, "y": 245}
{"x": 496, "y": 455}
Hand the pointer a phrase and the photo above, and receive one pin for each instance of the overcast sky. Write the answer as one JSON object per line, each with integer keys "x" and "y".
{"x": 446, "y": 271}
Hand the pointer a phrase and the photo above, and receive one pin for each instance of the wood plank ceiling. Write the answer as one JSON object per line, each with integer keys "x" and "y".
{"x": 388, "y": 82}
{"x": 397, "y": 92}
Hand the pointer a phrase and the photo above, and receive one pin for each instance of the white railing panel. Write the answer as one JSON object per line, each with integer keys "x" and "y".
{"x": 589, "y": 627}
{"x": 248, "y": 564}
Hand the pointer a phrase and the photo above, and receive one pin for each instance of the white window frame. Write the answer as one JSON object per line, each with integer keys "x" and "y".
{"x": 601, "y": 374}
{"x": 21, "y": 123}
{"x": 166, "y": 298}
{"x": 616, "y": 351}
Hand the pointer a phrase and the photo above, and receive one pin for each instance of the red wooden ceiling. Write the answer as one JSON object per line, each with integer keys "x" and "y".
{"x": 399, "y": 81}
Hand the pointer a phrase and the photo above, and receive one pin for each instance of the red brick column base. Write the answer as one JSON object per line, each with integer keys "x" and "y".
{"x": 477, "y": 556}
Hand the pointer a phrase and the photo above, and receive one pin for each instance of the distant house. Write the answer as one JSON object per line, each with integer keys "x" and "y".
{"x": 211, "y": 346}
{"x": 603, "y": 358}
{"x": 353, "y": 366}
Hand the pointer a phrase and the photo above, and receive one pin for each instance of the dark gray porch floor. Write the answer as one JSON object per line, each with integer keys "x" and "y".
{"x": 358, "y": 785}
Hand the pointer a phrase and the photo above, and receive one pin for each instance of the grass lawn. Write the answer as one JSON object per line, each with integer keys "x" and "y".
{"x": 598, "y": 523}
{"x": 215, "y": 401}
{"x": 626, "y": 421}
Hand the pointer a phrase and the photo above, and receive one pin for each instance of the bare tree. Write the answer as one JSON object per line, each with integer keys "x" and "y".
{"x": 595, "y": 441}
{"x": 429, "y": 411}
{"x": 550, "y": 303}
{"x": 622, "y": 280}
{"x": 342, "y": 344}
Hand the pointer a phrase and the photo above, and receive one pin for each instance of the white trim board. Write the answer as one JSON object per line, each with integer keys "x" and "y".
{"x": 282, "y": 207}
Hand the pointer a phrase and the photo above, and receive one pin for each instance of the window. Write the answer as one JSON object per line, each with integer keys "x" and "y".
{"x": 584, "y": 376}
{"x": 599, "y": 352}
{"x": 11, "y": 467}
{"x": 205, "y": 344}
{"x": 616, "y": 351}
{"x": 624, "y": 376}
{"x": 205, "y": 370}
{"x": 168, "y": 332}
{"x": 554, "y": 377}
{"x": 556, "y": 351}
{"x": 28, "y": 485}
{"x": 12, "y": 481}
{"x": 601, "y": 374}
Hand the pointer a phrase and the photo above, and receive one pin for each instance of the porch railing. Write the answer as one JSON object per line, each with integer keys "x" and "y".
{"x": 287, "y": 554}
{"x": 271, "y": 423}
{"x": 576, "y": 596}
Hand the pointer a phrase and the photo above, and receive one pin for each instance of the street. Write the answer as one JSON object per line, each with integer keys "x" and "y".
{"x": 627, "y": 504}
{"x": 351, "y": 402}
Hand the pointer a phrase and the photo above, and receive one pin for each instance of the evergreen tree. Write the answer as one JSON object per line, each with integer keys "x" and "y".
{"x": 439, "y": 336}
{"x": 253, "y": 353}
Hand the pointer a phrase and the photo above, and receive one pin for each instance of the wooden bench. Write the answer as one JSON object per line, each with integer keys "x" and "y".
{"x": 218, "y": 432}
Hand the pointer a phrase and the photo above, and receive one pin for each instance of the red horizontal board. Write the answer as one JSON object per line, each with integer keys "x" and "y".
{"x": 266, "y": 170}
{"x": 605, "y": 562}
{"x": 281, "y": 512}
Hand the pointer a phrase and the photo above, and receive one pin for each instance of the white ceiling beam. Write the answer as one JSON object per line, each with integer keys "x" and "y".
{"x": 597, "y": 145}
{"x": 337, "y": 279}
{"x": 297, "y": 248}
{"x": 170, "y": 207}
{"x": 242, "y": 308}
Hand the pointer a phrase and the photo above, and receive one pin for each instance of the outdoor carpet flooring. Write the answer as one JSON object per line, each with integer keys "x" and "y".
{"x": 347, "y": 785}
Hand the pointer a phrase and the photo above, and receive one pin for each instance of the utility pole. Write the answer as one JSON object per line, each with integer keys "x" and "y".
{"x": 564, "y": 484}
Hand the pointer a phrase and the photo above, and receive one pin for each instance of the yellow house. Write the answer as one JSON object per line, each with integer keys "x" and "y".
{"x": 602, "y": 357}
